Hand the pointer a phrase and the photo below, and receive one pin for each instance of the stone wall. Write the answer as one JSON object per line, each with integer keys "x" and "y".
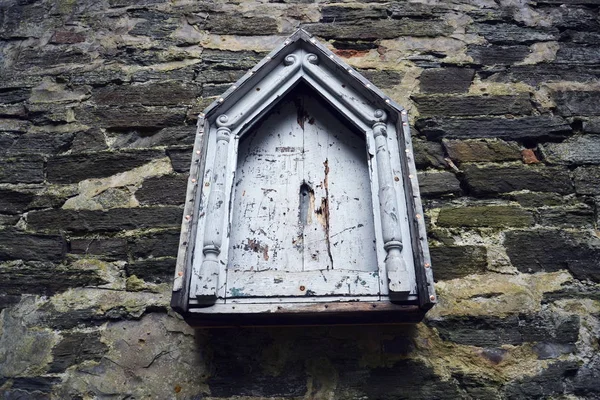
{"x": 98, "y": 104}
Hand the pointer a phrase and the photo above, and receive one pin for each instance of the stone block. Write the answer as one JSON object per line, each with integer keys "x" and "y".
{"x": 89, "y": 140}
{"x": 577, "y": 54}
{"x": 569, "y": 16}
{"x": 167, "y": 189}
{"x": 156, "y": 244}
{"x": 485, "y": 150}
{"x": 171, "y": 136}
{"x": 504, "y": 33}
{"x": 105, "y": 248}
{"x": 382, "y": 78}
{"x": 436, "y": 184}
{"x": 78, "y": 167}
{"x": 336, "y": 13}
{"x": 14, "y": 125}
{"x": 13, "y": 201}
{"x": 18, "y": 245}
{"x": 577, "y": 150}
{"x": 592, "y": 125}
{"x": 128, "y": 117}
{"x": 39, "y": 143}
{"x": 446, "y": 105}
{"x": 451, "y": 262}
{"x": 446, "y": 80}
{"x": 492, "y": 179}
{"x": 44, "y": 278}
{"x": 234, "y": 24}
{"x": 573, "y": 102}
{"x": 113, "y": 220}
{"x": 587, "y": 180}
{"x": 550, "y": 383}
{"x": 51, "y": 56}
{"x": 485, "y": 216}
{"x": 379, "y": 29}
{"x": 553, "y": 250}
{"x": 67, "y": 37}
{"x": 22, "y": 169}
{"x": 428, "y": 154}
{"x": 491, "y": 331}
{"x": 538, "y": 74}
{"x": 498, "y": 55}
{"x": 181, "y": 159}
{"x": 534, "y": 127}
{"x": 15, "y": 95}
{"x": 75, "y": 348}
{"x": 151, "y": 94}
{"x": 156, "y": 270}
{"x": 582, "y": 217}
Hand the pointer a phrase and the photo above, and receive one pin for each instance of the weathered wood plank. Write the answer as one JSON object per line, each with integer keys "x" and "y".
{"x": 307, "y": 283}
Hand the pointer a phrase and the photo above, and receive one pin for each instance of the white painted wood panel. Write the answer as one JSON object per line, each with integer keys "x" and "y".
{"x": 302, "y": 203}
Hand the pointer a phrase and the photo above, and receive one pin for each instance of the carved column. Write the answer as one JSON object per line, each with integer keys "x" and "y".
{"x": 208, "y": 281}
{"x": 397, "y": 274}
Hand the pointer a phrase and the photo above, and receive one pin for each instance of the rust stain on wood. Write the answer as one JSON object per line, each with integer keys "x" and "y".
{"x": 257, "y": 247}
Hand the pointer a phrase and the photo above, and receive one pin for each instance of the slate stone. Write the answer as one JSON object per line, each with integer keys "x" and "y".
{"x": 105, "y": 248}
{"x": 166, "y": 189}
{"x": 491, "y": 331}
{"x": 586, "y": 380}
{"x": 552, "y": 250}
{"x": 234, "y": 24}
{"x": 572, "y": 102}
{"x": 379, "y": 29}
{"x": 577, "y": 54}
{"x": 14, "y": 95}
{"x": 582, "y": 217}
{"x": 156, "y": 244}
{"x": 39, "y": 143}
{"x": 16, "y": 245}
{"x": 550, "y": 383}
{"x": 13, "y": 201}
{"x": 406, "y": 379}
{"x": 67, "y": 37}
{"x": 492, "y": 179}
{"x": 591, "y": 125}
{"x": 577, "y": 150}
{"x": 14, "y": 125}
{"x": 97, "y": 77}
{"x": 446, "y": 105}
{"x": 498, "y": 55}
{"x": 88, "y": 140}
{"x": 587, "y": 180}
{"x": 451, "y": 262}
{"x": 486, "y": 150}
{"x": 75, "y": 348}
{"x": 151, "y": 94}
{"x": 510, "y": 34}
{"x": 33, "y": 384}
{"x": 485, "y": 216}
{"x": 115, "y": 219}
{"x": 428, "y": 154}
{"x": 230, "y": 60}
{"x": 544, "y": 72}
{"x": 336, "y": 13}
{"x": 446, "y": 80}
{"x": 44, "y": 278}
{"x": 156, "y": 24}
{"x": 436, "y": 184}
{"x": 126, "y": 117}
{"x": 50, "y": 56}
{"x": 534, "y": 127}
{"x": 572, "y": 17}
{"x": 548, "y": 351}
{"x": 22, "y": 169}
{"x": 156, "y": 270}
{"x": 176, "y": 135}
{"x": 77, "y": 167}
{"x": 533, "y": 199}
{"x": 181, "y": 159}
{"x": 580, "y": 37}
{"x": 399, "y": 10}
{"x": 382, "y": 78}
{"x": 7, "y": 300}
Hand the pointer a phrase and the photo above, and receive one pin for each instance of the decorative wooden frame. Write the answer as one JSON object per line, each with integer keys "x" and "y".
{"x": 199, "y": 292}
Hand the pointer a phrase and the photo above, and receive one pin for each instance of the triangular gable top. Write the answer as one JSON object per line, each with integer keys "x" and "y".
{"x": 301, "y": 58}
